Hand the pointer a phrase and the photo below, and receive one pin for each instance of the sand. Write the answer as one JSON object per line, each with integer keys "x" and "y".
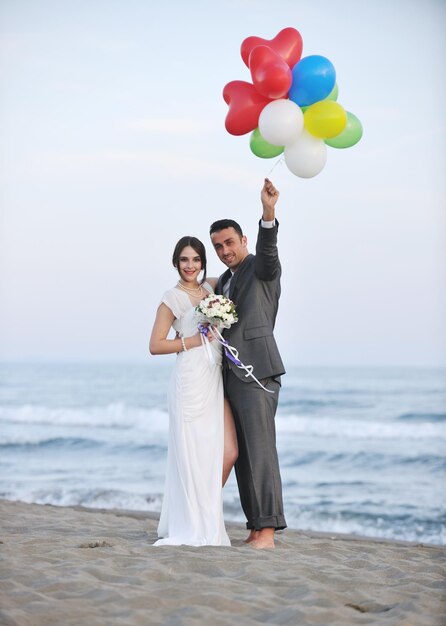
{"x": 89, "y": 567}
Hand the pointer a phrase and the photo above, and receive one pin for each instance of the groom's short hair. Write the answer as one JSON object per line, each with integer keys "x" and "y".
{"x": 222, "y": 224}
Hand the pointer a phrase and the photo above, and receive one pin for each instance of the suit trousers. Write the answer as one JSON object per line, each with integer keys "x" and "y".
{"x": 257, "y": 466}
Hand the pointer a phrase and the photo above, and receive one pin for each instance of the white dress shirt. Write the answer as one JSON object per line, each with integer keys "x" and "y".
{"x": 227, "y": 285}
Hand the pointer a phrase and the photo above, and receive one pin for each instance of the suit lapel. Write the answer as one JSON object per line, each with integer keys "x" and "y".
{"x": 238, "y": 276}
{"x": 221, "y": 281}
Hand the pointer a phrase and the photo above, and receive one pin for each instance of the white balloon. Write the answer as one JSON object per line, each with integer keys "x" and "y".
{"x": 281, "y": 122}
{"x": 307, "y": 156}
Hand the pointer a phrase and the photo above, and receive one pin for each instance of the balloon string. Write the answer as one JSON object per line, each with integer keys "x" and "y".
{"x": 275, "y": 165}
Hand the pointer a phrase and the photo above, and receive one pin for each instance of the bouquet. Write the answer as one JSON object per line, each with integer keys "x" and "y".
{"x": 216, "y": 311}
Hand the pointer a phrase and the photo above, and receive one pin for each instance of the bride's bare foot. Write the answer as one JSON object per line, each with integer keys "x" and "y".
{"x": 264, "y": 539}
{"x": 252, "y": 536}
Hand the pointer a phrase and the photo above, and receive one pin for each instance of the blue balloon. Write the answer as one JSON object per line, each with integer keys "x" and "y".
{"x": 313, "y": 79}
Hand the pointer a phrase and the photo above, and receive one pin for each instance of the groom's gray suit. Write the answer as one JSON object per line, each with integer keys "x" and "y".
{"x": 255, "y": 290}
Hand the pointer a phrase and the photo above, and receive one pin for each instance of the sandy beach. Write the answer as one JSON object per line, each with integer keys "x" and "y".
{"x": 90, "y": 567}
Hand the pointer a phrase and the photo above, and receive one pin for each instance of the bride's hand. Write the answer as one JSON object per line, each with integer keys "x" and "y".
{"x": 210, "y": 335}
{"x": 206, "y": 331}
{"x": 194, "y": 341}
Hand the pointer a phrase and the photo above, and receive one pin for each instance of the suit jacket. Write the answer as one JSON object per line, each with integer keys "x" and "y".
{"x": 255, "y": 291}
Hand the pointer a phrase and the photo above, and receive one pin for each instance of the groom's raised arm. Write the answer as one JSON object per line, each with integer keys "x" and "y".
{"x": 269, "y": 196}
{"x": 267, "y": 256}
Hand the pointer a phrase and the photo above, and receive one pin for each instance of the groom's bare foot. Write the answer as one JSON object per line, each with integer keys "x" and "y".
{"x": 264, "y": 539}
{"x": 252, "y": 536}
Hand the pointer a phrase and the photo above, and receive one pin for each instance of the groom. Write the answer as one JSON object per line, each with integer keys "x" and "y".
{"x": 252, "y": 282}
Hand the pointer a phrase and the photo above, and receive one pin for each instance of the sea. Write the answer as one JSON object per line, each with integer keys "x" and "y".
{"x": 362, "y": 450}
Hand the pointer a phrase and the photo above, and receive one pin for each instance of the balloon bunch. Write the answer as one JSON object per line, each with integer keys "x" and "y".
{"x": 290, "y": 106}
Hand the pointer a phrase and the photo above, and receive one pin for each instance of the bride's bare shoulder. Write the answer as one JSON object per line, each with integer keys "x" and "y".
{"x": 212, "y": 281}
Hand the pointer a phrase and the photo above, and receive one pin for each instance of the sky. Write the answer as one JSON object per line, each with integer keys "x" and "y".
{"x": 113, "y": 146}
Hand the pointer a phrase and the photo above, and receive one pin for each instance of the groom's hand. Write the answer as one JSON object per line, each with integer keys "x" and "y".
{"x": 269, "y": 197}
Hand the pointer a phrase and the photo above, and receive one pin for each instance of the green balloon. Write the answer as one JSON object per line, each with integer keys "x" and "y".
{"x": 333, "y": 95}
{"x": 351, "y": 134}
{"x": 261, "y": 148}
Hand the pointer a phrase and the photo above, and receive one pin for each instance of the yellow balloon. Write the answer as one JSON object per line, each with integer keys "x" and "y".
{"x": 325, "y": 119}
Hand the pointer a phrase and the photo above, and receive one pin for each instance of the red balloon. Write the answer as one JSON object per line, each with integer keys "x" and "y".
{"x": 288, "y": 43}
{"x": 245, "y": 105}
{"x": 271, "y": 75}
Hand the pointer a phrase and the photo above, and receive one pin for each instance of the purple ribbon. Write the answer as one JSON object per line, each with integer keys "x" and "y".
{"x": 229, "y": 355}
{"x": 204, "y": 330}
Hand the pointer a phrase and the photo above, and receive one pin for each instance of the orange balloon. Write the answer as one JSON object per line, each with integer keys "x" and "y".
{"x": 325, "y": 119}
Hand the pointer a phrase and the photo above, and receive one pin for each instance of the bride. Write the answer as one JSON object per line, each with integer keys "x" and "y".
{"x": 202, "y": 440}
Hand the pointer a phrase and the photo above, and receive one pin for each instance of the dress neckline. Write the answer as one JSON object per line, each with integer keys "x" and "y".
{"x": 193, "y": 304}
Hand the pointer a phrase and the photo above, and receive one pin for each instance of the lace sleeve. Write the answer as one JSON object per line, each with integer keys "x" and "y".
{"x": 170, "y": 299}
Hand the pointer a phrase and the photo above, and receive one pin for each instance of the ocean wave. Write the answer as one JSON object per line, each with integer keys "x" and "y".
{"x": 115, "y": 415}
{"x": 338, "y": 428}
{"x": 403, "y": 528}
{"x": 290, "y": 458}
{"x": 22, "y": 442}
{"x": 319, "y": 518}
{"x": 295, "y": 402}
{"x": 423, "y": 417}
{"x": 51, "y": 442}
{"x": 326, "y": 517}
{"x": 90, "y": 498}
{"x": 154, "y": 423}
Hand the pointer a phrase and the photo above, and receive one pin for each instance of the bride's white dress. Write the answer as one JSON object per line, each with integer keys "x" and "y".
{"x": 192, "y": 510}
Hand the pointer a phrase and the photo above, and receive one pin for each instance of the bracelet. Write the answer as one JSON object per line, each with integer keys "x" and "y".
{"x": 183, "y": 344}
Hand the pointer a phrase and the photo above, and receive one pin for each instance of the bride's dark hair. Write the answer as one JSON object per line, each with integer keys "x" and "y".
{"x": 199, "y": 248}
